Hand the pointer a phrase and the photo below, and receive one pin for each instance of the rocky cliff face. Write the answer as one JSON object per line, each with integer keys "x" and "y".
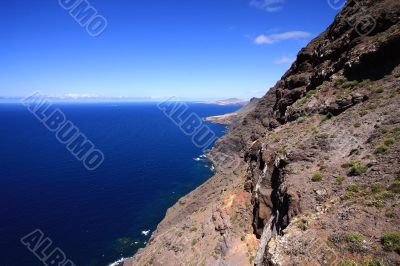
{"x": 315, "y": 178}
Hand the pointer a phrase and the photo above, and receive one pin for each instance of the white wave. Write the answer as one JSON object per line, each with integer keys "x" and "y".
{"x": 117, "y": 262}
{"x": 146, "y": 232}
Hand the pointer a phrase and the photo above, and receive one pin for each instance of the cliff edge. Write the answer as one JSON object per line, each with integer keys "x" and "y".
{"x": 314, "y": 175}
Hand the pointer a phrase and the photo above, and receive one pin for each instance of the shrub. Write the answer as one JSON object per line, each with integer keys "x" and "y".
{"x": 389, "y": 141}
{"x": 317, "y": 177}
{"x": 357, "y": 124}
{"x": 379, "y": 90}
{"x": 395, "y": 187}
{"x": 357, "y": 168}
{"x": 378, "y": 203}
{"x": 377, "y": 187}
{"x": 354, "y": 241}
{"x": 354, "y": 188}
{"x": 340, "y": 179}
{"x": 302, "y": 224}
{"x": 391, "y": 241}
{"x": 381, "y": 149}
{"x": 389, "y": 213}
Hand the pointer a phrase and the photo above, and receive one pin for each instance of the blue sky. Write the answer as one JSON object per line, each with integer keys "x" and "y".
{"x": 190, "y": 49}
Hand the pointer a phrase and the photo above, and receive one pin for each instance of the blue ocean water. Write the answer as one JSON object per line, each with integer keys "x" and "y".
{"x": 95, "y": 217}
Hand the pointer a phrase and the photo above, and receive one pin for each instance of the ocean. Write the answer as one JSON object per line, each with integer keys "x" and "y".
{"x": 94, "y": 217}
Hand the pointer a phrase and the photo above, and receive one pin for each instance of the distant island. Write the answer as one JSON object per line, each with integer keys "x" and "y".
{"x": 231, "y": 118}
{"x": 230, "y": 101}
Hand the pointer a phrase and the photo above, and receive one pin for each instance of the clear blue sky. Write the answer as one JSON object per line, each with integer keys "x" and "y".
{"x": 184, "y": 48}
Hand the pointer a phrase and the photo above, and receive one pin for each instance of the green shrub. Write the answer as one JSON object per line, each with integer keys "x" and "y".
{"x": 354, "y": 241}
{"x": 389, "y": 141}
{"x": 357, "y": 168}
{"x": 340, "y": 179}
{"x": 317, "y": 177}
{"x": 381, "y": 149}
{"x": 379, "y": 90}
{"x": 357, "y": 124}
{"x": 391, "y": 241}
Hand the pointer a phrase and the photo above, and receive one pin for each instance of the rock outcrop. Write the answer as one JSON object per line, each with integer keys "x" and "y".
{"x": 316, "y": 177}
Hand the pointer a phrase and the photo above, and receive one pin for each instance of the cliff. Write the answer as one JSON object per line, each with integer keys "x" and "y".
{"x": 313, "y": 173}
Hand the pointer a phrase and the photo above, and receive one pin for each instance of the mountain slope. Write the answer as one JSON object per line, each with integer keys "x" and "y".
{"x": 315, "y": 178}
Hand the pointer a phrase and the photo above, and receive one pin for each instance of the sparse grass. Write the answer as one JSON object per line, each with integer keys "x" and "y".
{"x": 391, "y": 241}
{"x": 317, "y": 177}
{"x": 357, "y": 168}
{"x": 354, "y": 241}
{"x": 350, "y": 84}
{"x": 389, "y": 213}
{"x": 326, "y": 117}
{"x": 377, "y": 262}
{"x": 311, "y": 93}
{"x": 340, "y": 179}
{"x": 365, "y": 82}
{"x": 382, "y": 148}
{"x": 348, "y": 263}
{"x": 379, "y": 90}
{"x": 251, "y": 259}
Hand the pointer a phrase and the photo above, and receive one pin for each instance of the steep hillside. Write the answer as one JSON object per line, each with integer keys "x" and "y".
{"x": 313, "y": 176}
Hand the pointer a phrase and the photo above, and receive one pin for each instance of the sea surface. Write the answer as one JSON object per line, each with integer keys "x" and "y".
{"x": 94, "y": 217}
